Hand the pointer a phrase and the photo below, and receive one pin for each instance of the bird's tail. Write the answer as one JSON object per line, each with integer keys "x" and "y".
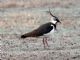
{"x": 34, "y": 33}
{"x": 23, "y": 36}
{"x": 27, "y": 35}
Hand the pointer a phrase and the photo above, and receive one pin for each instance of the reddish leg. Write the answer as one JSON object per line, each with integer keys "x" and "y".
{"x": 45, "y": 42}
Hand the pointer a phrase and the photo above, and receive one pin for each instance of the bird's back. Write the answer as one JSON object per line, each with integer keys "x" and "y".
{"x": 43, "y": 29}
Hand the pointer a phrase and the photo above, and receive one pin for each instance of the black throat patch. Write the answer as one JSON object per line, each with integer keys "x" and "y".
{"x": 54, "y": 26}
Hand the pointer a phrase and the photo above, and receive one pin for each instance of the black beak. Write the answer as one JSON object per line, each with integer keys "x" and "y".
{"x": 58, "y": 21}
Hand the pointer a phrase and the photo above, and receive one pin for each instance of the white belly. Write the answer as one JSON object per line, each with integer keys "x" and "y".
{"x": 50, "y": 33}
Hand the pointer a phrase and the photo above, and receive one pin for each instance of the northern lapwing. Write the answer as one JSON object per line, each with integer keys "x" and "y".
{"x": 44, "y": 29}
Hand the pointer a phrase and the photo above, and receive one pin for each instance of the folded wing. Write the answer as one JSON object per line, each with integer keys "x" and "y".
{"x": 43, "y": 29}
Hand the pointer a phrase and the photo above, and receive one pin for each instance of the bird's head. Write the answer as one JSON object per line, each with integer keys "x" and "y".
{"x": 54, "y": 19}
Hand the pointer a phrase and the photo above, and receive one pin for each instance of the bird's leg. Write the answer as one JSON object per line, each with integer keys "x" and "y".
{"x": 45, "y": 42}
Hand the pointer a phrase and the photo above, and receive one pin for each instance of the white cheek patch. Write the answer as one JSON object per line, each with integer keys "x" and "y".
{"x": 53, "y": 20}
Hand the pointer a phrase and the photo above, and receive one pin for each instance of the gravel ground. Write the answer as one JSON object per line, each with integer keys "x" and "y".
{"x": 20, "y": 17}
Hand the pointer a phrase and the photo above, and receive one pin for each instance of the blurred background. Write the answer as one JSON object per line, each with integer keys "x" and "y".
{"x": 21, "y": 16}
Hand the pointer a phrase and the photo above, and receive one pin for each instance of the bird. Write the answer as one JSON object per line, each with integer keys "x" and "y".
{"x": 44, "y": 29}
